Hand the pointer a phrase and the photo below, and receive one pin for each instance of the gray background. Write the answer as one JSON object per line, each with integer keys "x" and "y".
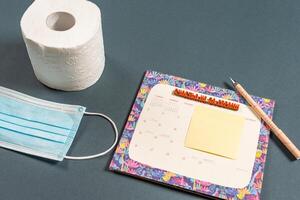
{"x": 256, "y": 42}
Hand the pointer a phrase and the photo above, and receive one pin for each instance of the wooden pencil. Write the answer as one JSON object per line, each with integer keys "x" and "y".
{"x": 277, "y": 131}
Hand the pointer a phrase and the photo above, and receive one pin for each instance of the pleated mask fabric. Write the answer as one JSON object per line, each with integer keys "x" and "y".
{"x": 37, "y": 127}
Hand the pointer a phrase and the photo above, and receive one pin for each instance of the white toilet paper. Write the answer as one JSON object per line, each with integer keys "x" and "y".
{"x": 64, "y": 42}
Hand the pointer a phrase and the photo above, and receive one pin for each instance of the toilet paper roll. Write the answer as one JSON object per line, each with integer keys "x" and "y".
{"x": 64, "y": 42}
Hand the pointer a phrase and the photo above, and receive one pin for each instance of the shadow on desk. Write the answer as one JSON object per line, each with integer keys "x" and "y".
{"x": 15, "y": 65}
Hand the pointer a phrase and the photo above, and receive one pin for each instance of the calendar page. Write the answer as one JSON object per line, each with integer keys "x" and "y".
{"x": 158, "y": 140}
{"x": 196, "y": 137}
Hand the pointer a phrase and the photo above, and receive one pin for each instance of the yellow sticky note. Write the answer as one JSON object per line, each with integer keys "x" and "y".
{"x": 215, "y": 131}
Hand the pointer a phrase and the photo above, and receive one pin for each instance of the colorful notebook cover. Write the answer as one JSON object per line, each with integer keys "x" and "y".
{"x": 121, "y": 161}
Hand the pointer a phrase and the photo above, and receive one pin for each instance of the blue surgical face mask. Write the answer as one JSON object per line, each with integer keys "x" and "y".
{"x": 41, "y": 128}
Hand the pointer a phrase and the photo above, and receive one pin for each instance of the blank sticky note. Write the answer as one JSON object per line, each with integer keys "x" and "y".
{"x": 215, "y": 131}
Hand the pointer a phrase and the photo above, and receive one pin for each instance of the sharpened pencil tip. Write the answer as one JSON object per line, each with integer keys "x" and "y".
{"x": 232, "y": 81}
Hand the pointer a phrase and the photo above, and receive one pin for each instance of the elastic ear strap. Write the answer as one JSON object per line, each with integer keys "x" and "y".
{"x": 104, "y": 152}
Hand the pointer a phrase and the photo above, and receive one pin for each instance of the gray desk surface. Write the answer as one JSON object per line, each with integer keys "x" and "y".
{"x": 256, "y": 42}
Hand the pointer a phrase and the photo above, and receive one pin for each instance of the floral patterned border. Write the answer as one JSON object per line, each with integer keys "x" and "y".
{"x": 122, "y": 163}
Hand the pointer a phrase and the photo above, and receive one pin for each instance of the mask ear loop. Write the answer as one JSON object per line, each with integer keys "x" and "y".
{"x": 104, "y": 152}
